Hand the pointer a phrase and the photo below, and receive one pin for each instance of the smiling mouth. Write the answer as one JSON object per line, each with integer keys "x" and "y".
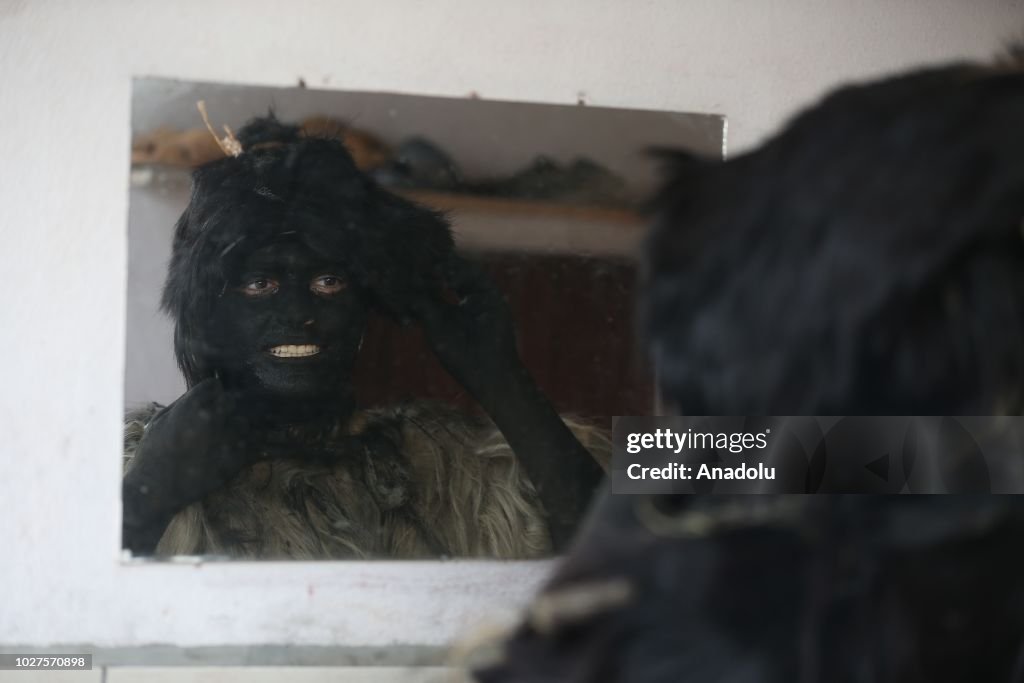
{"x": 294, "y": 350}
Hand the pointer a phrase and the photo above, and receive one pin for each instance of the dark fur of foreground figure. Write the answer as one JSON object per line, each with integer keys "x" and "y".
{"x": 866, "y": 261}
{"x": 278, "y": 260}
{"x": 869, "y": 260}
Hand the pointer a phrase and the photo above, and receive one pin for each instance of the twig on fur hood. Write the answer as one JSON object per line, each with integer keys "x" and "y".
{"x": 229, "y": 144}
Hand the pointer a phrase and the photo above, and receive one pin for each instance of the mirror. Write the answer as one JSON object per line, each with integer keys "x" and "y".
{"x": 394, "y": 326}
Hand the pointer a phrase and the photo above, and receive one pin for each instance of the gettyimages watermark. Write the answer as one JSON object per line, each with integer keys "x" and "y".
{"x": 729, "y": 455}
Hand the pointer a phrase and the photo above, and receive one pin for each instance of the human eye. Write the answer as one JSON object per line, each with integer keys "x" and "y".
{"x": 327, "y": 284}
{"x": 259, "y": 286}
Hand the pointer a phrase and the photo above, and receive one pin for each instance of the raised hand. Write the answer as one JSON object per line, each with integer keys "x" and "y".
{"x": 470, "y": 328}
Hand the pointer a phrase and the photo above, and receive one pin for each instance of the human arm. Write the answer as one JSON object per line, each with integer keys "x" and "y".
{"x": 472, "y": 333}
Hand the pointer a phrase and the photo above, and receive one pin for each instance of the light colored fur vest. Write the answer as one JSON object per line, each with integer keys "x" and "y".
{"x": 454, "y": 488}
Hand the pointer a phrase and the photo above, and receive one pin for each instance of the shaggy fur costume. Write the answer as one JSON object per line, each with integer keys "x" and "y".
{"x": 288, "y": 183}
{"x": 865, "y": 261}
{"x": 447, "y": 484}
{"x": 869, "y": 260}
{"x": 414, "y": 481}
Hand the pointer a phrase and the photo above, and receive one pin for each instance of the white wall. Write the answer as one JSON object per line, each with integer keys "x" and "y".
{"x": 65, "y": 75}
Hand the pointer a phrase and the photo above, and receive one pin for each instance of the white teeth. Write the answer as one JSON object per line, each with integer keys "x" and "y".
{"x": 295, "y": 350}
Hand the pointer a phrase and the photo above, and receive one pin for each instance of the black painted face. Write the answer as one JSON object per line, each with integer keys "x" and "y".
{"x": 288, "y": 326}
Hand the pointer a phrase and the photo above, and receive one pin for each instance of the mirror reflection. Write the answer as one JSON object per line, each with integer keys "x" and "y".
{"x": 366, "y": 325}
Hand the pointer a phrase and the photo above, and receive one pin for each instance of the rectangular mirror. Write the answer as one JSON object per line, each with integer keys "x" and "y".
{"x": 393, "y": 326}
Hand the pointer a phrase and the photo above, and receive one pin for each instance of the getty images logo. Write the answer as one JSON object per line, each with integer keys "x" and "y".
{"x": 676, "y": 442}
{"x": 854, "y": 454}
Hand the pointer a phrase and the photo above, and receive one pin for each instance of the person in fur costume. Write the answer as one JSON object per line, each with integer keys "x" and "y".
{"x": 284, "y": 249}
{"x": 867, "y": 260}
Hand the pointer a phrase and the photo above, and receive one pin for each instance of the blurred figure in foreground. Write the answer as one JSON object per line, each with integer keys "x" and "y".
{"x": 868, "y": 260}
